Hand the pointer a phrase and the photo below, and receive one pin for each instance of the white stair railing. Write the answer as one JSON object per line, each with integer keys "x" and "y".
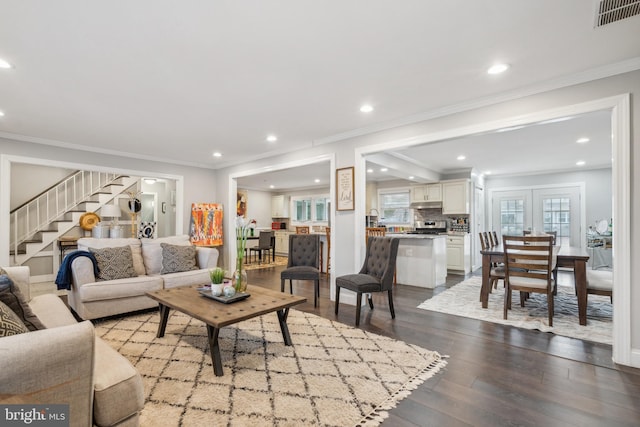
{"x": 52, "y": 204}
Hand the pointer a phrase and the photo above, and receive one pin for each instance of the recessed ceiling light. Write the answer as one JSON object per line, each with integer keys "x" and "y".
{"x": 582, "y": 140}
{"x": 366, "y": 108}
{"x": 4, "y": 64}
{"x": 580, "y": 163}
{"x": 272, "y": 138}
{"x": 1, "y": 113}
{"x": 461, "y": 157}
{"x": 272, "y": 186}
{"x": 369, "y": 170}
{"x": 217, "y": 154}
{"x": 487, "y": 173}
{"x": 498, "y": 68}
{"x": 411, "y": 177}
{"x": 316, "y": 180}
{"x": 383, "y": 169}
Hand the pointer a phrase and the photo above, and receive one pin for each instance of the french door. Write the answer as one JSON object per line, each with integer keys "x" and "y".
{"x": 546, "y": 209}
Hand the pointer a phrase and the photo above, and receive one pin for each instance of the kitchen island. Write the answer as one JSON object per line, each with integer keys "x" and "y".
{"x": 422, "y": 259}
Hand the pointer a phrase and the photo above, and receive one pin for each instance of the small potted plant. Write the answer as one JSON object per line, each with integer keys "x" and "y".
{"x": 217, "y": 281}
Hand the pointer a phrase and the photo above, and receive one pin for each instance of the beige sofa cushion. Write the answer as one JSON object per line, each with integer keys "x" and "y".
{"x": 120, "y": 288}
{"x": 51, "y": 311}
{"x": 118, "y": 388}
{"x": 152, "y": 251}
{"x": 186, "y": 278}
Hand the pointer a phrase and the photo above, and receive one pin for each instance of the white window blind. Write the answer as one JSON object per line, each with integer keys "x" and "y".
{"x": 394, "y": 206}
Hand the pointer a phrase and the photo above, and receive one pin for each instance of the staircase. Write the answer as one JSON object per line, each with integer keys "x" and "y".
{"x": 38, "y": 223}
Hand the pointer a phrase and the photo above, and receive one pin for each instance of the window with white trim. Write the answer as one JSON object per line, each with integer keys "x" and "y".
{"x": 393, "y": 206}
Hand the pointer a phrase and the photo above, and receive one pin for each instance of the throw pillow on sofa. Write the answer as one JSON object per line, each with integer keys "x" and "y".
{"x": 177, "y": 258}
{"x": 10, "y": 323}
{"x": 11, "y": 296}
{"x": 152, "y": 251}
{"x": 114, "y": 263}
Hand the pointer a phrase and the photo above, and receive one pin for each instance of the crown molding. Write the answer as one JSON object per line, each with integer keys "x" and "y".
{"x": 586, "y": 76}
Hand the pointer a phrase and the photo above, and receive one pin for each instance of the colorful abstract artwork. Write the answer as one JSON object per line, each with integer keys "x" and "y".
{"x": 241, "y": 207}
{"x": 205, "y": 228}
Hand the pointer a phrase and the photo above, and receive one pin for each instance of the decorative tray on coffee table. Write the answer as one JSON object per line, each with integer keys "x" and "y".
{"x": 226, "y": 300}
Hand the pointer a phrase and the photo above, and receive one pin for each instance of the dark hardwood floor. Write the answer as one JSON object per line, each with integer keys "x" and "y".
{"x": 496, "y": 375}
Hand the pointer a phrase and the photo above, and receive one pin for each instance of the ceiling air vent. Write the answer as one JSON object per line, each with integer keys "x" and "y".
{"x": 615, "y": 10}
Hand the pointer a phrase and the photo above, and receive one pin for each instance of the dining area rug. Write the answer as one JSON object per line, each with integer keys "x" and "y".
{"x": 333, "y": 375}
{"x": 463, "y": 300}
{"x": 255, "y": 265}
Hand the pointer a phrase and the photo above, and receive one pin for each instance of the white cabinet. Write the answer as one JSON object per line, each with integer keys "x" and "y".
{"x": 280, "y": 206}
{"x": 426, "y": 193}
{"x": 282, "y": 242}
{"x": 455, "y": 197}
{"x": 459, "y": 253}
{"x": 434, "y": 192}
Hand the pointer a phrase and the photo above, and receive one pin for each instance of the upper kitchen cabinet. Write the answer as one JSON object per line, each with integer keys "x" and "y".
{"x": 280, "y": 206}
{"x": 426, "y": 193}
{"x": 455, "y": 197}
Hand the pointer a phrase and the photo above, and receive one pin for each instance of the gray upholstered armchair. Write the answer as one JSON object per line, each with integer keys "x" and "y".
{"x": 376, "y": 274}
{"x": 303, "y": 263}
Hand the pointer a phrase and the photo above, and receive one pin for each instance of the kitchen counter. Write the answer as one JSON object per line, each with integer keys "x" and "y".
{"x": 422, "y": 259}
{"x": 416, "y": 236}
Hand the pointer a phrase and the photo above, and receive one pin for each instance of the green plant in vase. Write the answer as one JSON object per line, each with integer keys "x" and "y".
{"x": 217, "y": 279}
{"x": 240, "y": 275}
{"x": 216, "y": 275}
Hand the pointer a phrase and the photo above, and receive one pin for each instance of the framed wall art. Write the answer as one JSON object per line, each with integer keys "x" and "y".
{"x": 241, "y": 208}
{"x": 205, "y": 228}
{"x": 345, "y": 189}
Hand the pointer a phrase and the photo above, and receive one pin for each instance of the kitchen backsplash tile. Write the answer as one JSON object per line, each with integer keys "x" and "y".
{"x": 457, "y": 223}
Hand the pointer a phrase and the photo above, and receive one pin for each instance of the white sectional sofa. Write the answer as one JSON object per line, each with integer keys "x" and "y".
{"x": 67, "y": 364}
{"x": 93, "y": 298}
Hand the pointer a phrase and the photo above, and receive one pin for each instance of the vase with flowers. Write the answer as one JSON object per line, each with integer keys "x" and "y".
{"x": 240, "y": 275}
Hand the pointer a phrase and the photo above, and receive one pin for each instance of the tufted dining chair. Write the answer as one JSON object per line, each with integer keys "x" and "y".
{"x": 303, "y": 263}
{"x": 376, "y": 274}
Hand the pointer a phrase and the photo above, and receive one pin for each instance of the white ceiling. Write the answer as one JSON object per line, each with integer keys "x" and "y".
{"x": 176, "y": 81}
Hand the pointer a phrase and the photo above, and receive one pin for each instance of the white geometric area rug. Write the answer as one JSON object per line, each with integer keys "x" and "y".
{"x": 463, "y": 300}
{"x": 333, "y": 375}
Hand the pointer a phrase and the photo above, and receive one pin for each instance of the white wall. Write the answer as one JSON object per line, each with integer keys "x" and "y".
{"x": 259, "y": 207}
{"x": 32, "y": 180}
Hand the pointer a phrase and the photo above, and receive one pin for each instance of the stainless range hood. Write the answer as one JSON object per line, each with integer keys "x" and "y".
{"x": 426, "y": 205}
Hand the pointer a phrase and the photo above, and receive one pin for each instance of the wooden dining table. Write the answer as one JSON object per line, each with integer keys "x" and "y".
{"x": 570, "y": 257}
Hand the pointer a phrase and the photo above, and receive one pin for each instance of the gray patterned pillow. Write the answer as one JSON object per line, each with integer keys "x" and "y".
{"x": 10, "y": 323}
{"x": 177, "y": 258}
{"x": 114, "y": 263}
{"x": 11, "y": 295}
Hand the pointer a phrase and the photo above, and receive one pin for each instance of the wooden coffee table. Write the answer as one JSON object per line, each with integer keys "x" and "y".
{"x": 217, "y": 315}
